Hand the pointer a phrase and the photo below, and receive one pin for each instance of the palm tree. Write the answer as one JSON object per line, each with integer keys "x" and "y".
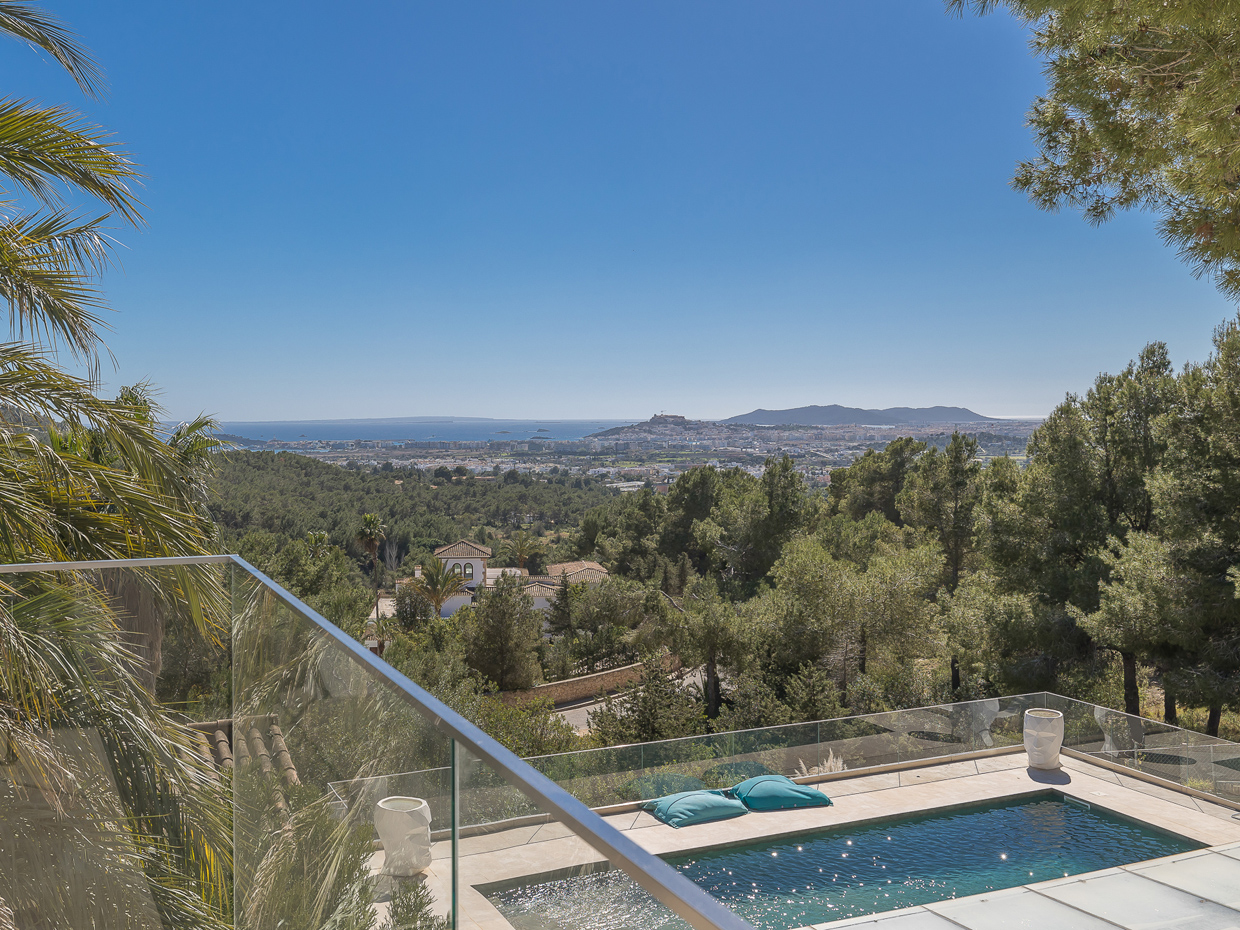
{"x": 436, "y": 585}
{"x": 371, "y": 533}
{"x": 86, "y": 478}
{"x": 143, "y": 608}
{"x": 522, "y": 545}
{"x": 316, "y": 544}
{"x": 49, "y": 254}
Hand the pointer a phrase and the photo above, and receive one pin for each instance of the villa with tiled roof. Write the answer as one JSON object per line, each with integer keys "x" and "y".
{"x": 580, "y": 572}
{"x": 469, "y": 560}
{"x": 557, "y": 569}
{"x": 463, "y": 549}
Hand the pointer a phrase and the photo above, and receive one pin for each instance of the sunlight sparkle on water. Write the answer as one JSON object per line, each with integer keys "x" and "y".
{"x": 1045, "y": 837}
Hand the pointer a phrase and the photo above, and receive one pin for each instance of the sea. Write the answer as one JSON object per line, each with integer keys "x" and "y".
{"x": 418, "y": 429}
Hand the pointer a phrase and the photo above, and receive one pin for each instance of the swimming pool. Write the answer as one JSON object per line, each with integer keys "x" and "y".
{"x": 860, "y": 870}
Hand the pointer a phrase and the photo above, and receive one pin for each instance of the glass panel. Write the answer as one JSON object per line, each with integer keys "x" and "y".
{"x": 1204, "y": 763}
{"x": 352, "y": 800}
{"x": 111, "y": 816}
{"x": 345, "y": 787}
{"x": 623, "y": 774}
{"x": 343, "y": 790}
{"x": 1216, "y": 769}
{"x": 523, "y": 868}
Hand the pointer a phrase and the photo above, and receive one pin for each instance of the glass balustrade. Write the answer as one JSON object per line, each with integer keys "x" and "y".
{"x": 348, "y": 796}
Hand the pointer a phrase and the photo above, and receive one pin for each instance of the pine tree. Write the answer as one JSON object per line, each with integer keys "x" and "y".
{"x": 1140, "y": 112}
{"x": 653, "y": 708}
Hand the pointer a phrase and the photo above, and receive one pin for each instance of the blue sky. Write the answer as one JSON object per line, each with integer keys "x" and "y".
{"x": 603, "y": 209}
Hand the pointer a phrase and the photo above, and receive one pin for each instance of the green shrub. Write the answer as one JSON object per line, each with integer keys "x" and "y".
{"x": 656, "y": 785}
{"x": 732, "y": 773}
{"x": 411, "y": 909}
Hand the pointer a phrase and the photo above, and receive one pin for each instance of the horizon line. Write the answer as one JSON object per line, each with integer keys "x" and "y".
{"x": 439, "y": 418}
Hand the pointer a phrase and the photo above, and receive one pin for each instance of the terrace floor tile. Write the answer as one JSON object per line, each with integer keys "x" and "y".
{"x": 913, "y": 918}
{"x": 646, "y": 819}
{"x": 929, "y": 773}
{"x": 865, "y": 783}
{"x": 1012, "y": 760}
{"x": 1015, "y": 909}
{"x": 551, "y": 831}
{"x": 1157, "y": 791}
{"x": 1229, "y": 849}
{"x": 1203, "y": 873}
{"x": 623, "y": 821}
{"x": 487, "y": 842}
{"x": 1094, "y": 771}
{"x": 1214, "y": 810}
{"x": 1137, "y": 903}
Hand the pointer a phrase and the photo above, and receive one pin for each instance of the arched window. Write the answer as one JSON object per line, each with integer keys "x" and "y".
{"x": 469, "y": 571}
{"x": 456, "y": 568}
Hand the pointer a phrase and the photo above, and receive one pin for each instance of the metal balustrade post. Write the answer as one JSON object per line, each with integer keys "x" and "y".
{"x": 456, "y": 834}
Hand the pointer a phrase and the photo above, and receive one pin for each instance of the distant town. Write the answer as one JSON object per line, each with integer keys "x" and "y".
{"x": 655, "y": 451}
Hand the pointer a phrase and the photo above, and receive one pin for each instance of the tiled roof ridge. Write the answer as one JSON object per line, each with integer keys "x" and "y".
{"x": 573, "y": 572}
{"x": 571, "y": 568}
{"x": 450, "y": 550}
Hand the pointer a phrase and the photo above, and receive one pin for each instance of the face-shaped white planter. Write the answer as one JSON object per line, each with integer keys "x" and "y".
{"x": 404, "y": 826}
{"x": 1043, "y": 737}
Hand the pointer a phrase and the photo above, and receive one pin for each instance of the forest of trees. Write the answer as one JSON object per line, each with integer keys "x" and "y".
{"x": 287, "y": 496}
{"x": 1104, "y": 569}
{"x": 1109, "y": 563}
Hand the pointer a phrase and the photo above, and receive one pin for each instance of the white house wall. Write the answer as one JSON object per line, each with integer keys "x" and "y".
{"x": 479, "y": 566}
{"x": 454, "y": 603}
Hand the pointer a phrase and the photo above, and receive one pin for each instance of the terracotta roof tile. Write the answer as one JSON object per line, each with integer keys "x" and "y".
{"x": 588, "y": 576}
{"x": 580, "y": 572}
{"x": 262, "y": 742}
{"x": 463, "y": 549}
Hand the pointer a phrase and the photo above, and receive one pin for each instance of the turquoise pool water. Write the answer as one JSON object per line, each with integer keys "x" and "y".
{"x": 863, "y": 870}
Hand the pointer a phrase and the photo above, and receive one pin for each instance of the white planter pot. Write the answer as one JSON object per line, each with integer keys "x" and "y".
{"x": 404, "y": 826}
{"x": 1043, "y": 737}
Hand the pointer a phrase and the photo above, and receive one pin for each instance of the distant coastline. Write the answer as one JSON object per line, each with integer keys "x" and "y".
{"x": 416, "y": 429}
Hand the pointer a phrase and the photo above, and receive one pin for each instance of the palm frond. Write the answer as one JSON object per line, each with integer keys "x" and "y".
{"x": 40, "y": 29}
{"x": 40, "y": 146}
{"x": 64, "y": 673}
{"x": 112, "y": 489}
{"x": 44, "y": 281}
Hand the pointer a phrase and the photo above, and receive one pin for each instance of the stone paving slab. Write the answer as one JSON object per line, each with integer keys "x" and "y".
{"x": 1132, "y": 901}
{"x": 1015, "y": 909}
{"x": 1232, "y": 850}
{"x": 914, "y": 918}
{"x": 1015, "y": 760}
{"x": 1157, "y": 791}
{"x": 861, "y": 784}
{"x": 932, "y": 773}
{"x": 1206, "y": 874}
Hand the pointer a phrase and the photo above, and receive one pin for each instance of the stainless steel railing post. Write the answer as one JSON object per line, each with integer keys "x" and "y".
{"x": 456, "y": 833}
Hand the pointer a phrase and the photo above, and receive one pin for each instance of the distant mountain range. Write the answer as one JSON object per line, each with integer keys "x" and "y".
{"x": 835, "y": 415}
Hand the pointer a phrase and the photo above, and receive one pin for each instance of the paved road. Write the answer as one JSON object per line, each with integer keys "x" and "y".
{"x": 577, "y": 715}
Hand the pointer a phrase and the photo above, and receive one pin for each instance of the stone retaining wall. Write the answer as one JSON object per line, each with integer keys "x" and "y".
{"x": 577, "y": 689}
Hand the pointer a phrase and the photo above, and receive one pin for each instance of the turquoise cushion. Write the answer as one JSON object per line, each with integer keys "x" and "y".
{"x": 689, "y": 807}
{"x": 777, "y": 793}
